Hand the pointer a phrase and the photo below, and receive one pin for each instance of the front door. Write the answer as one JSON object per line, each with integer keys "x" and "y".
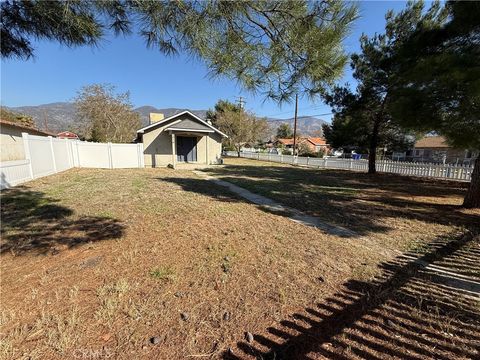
{"x": 186, "y": 149}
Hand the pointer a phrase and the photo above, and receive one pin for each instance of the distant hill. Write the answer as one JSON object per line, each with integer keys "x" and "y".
{"x": 60, "y": 116}
{"x": 306, "y": 125}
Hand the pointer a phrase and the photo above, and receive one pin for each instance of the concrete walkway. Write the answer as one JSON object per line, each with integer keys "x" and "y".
{"x": 272, "y": 206}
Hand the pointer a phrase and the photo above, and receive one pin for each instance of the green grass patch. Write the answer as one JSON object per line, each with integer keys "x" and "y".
{"x": 138, "y": 184}
{"x": 163, "y": 273}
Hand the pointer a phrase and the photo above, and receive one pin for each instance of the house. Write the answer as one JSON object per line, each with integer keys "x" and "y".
{"x": 315, "y": 144}
{"x": 67, "y": 135}
{"x": 11, "y": 141}
{"x": 435, "y": 149}
{"x": 181, "y": 138}
{"x": 286, "y": 143}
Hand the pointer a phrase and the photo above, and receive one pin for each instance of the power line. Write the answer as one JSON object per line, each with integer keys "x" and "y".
{"x": 313, "y": 107}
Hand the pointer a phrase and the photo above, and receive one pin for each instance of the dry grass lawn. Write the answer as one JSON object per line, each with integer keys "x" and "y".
{"x": 161, "y": 264}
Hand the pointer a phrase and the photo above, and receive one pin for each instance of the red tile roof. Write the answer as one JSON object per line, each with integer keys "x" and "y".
{"x": 67, "y": 135}
{"x": 286, "y": 141}
{"x": 313, "y": 140}
{"x": 317, "y": 140}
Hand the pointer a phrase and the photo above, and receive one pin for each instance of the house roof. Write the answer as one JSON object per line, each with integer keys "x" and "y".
{"x": 432, "y": 142}
{"x": 317, "y": 140}
{"x": 285, "y": 141}
{"x": 23, "y": 127}
{"x": 67, "y": 134}
{"x": 313, "y": 140}
{"x": 186, "y": 112}
{"x": 189, "y": 125}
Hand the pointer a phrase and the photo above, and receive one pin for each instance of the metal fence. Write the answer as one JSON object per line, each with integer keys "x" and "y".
{"x": 437, "y": 171}
{"x": 46, "y": 155}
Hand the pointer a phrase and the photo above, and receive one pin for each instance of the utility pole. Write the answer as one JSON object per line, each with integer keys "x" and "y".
{"x": 241, "y": 102}
{"x": 295, "y": 127}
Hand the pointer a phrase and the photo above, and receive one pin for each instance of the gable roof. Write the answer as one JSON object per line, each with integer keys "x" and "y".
{"x": 188, "y": 124}
{"x": 186, "y": 112}
{"x": 432, "y": 142}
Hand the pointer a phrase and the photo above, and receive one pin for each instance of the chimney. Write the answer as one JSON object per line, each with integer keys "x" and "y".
{"x": 155, "y": 117}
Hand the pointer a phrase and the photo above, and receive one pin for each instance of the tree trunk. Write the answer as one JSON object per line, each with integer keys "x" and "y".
{"x": 472, "y": 199}
{"x": 372, "y": 156}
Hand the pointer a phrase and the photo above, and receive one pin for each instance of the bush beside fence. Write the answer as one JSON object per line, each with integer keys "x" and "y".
{"x": 46, "y": 155}
{"x": 437, "y": 171}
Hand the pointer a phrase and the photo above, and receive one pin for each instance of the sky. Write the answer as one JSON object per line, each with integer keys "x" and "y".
{"x": 57, "y": 73}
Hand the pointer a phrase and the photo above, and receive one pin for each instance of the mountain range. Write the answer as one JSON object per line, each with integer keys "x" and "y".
{"x": 60, "y": 116}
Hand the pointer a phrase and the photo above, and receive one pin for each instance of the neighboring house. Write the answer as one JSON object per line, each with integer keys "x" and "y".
{"x": 67, "y": 135}
{"x": 11, "y": 141}
{"x": 435, "y": 149}
{"x": 286, "y": 143}
{"x": 315, "y": 144}
{"x": 181, "y": 138}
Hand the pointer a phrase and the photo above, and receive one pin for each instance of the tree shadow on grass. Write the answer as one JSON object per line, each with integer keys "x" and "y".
{"x": 358, "y": 201}
{"x": 223, "y": 194}
{"x": 33, "y": 223}
{"x": 346, "y": 180}
{"x": 375, "y": 214}
{"x": 415, "y": 310}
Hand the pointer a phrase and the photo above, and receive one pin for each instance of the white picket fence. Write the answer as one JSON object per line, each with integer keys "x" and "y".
{"x": 437, "y": 171}
{"x": 46, "y": 155}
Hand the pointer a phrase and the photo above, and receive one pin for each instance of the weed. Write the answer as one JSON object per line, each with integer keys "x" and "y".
{"x": 163, "y": 273}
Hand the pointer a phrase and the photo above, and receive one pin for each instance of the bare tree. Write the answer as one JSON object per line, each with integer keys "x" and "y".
{"x": 104, "y": 115}
{"x": 241, "y": 127}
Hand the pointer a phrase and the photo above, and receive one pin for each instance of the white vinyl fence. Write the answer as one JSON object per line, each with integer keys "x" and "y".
{"x": 46, "y": 155}
{"x": 438, "y": 171}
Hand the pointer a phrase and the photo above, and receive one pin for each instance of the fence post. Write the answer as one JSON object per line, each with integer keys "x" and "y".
{"x": 350, "y": 165}
{"x": 77, "y": 143}
{"x": 53, "y": 154}
{"x": 69, "y": 153}
{"x": 308, "y": 159}
{"x": 109, "y": 150}
{"x": 141, "y": 159}
{"x": 26, "y": 148}
{"x": 325, "y": 163}
{"x": 281, "y": 158}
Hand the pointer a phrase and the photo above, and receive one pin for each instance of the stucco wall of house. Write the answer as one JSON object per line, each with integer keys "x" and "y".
{"x": 11, "y": 143}
{"x": 158, "y": 146}
{"x": 209, "y": 149}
